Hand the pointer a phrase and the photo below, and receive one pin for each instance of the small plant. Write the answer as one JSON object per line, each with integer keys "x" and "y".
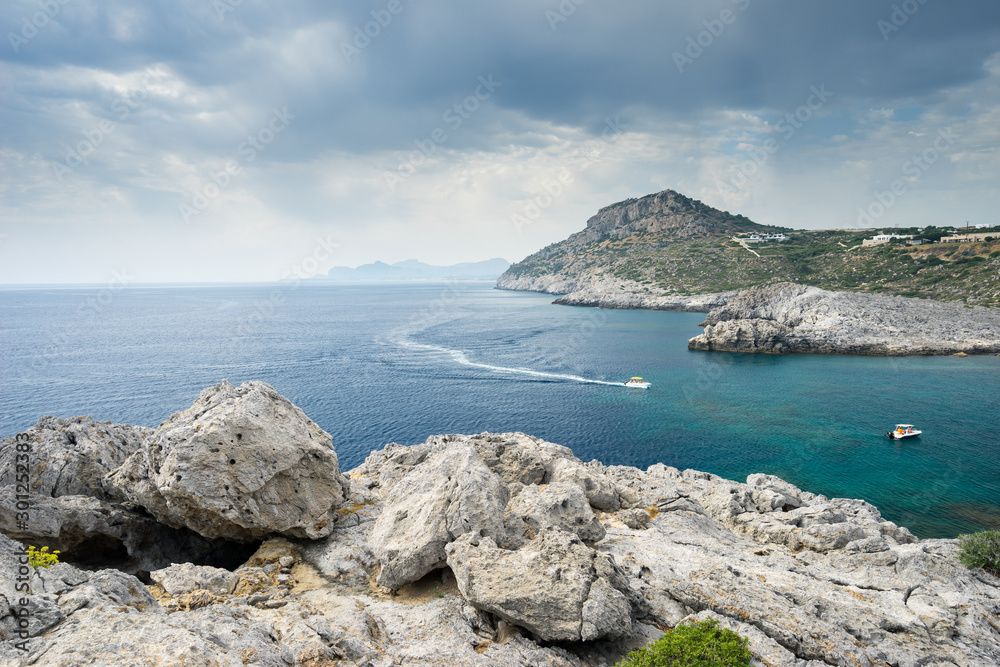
{"x": 980, "y": 551}
{"x": 702, "y": 644}
{"x": 42, "y": 557}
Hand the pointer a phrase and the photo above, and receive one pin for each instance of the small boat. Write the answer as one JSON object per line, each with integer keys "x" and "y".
{"x": 638, "y": 383}
{"x": 903, "y": 431}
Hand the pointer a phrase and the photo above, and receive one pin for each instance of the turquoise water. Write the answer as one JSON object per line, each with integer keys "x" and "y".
{"x": 375, "y": 364}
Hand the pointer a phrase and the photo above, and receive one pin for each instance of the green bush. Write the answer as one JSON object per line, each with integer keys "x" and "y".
{"x": 702, "y": 644}
{"x": 980, "y": 550}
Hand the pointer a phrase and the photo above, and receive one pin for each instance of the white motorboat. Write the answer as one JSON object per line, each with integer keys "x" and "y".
{"x": 638, "y": 383}
{"x": 903, "y": 431}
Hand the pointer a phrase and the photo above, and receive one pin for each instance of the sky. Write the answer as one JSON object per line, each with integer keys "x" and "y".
{"x": 243, "y": 140}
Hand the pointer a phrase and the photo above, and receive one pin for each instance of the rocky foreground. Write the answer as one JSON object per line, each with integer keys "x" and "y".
{"x": 492, "y": 549}
{"x": 787, "y": 317}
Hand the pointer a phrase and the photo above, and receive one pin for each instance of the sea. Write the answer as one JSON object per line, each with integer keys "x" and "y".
{"x": 380, "y": 363}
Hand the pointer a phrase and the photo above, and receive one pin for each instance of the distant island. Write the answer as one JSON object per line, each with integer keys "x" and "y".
{"x": 412, "y": 269}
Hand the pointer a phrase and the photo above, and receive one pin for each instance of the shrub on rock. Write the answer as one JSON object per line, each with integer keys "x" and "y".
{"x": 703, "y": 644}
{"x": 981, "y": 551}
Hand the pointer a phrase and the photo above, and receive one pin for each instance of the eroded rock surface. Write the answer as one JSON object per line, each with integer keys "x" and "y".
{"x": 554, "y": 586}
{"x": 809, "y": 580}
{"x": 786, "y": 317}
{"x": 241, "y": 463}
{"x": 73, "y": 507}
{"x": 449, "y": 494}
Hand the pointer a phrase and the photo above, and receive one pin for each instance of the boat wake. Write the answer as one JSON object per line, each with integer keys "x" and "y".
{"x": 461, "y": 358}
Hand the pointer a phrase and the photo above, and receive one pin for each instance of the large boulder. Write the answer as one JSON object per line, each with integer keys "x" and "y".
{"x": 240, "y": 463}
{"x": 447, "y": 495}
{"x": 554, "y": 586}
{"x": 73, "y": 508}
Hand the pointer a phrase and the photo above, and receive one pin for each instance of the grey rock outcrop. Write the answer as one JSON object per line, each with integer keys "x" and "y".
{"x": 555, "y": 587}
{"x": 240, "y": 463}
{"x": 449, "y": 494}
{"x": 810, "y": 580}
{"x": 634, "y": 296}
{"x": 74, "y": 509}
{"x": 560, "y": 505}
{"x": 181, "y": 578}
{"x": 787, "y": 317}
{"x": 70, "y": 457}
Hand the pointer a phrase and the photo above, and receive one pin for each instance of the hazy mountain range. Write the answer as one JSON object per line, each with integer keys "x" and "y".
{"x": 412, "y": 269}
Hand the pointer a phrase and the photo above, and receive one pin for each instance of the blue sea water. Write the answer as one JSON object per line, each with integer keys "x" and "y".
{"x": 373, "y": 364}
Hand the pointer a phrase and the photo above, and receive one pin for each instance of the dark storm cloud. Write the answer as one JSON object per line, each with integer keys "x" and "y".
{"x": 560, "y": 62}
{"x": 163, "y": 96}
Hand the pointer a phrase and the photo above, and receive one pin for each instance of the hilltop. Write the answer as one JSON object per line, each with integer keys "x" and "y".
{"x": 658, "y": 250}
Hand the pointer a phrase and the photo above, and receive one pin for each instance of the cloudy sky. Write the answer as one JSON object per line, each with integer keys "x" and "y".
{"x": 240, "y": 140}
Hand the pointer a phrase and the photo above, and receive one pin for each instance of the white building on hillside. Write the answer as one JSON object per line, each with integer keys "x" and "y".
{"x": 879, "y": 239}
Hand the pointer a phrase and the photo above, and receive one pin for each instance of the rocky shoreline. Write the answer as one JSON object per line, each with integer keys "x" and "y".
{"x": 490, "y": 549}
{"x": 613, "y": 294}
{"x": 791, "y": 318}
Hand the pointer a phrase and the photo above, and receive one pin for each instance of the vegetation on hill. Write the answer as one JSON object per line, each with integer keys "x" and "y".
{"x": 694, "y": 252}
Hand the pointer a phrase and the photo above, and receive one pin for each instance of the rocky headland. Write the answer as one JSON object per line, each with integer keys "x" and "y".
{"x": 229, "y": 536}
{"x": 653, "y": 251}
{"x": 786, "y": 318}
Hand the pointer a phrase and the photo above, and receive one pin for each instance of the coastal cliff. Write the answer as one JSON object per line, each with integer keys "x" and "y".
{"x": 656, "y": 251}
{"x": 488, "y": 549}
{"x": 786, "y": 318}
{"x": 609, "y": 263}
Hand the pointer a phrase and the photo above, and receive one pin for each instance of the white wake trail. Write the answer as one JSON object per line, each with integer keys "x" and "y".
{"x": 460, "y": 357}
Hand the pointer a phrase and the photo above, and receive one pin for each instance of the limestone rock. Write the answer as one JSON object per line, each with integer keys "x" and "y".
{"x": 786, "y": 317}
{"x": 629, "y": 295}
{"x": 809, "y": 580}
{"x": 601, "y": 492}
{"x": 70, "y": 457}
{"x": 183, "y": 578}
{"x": 91, "y": 531}
{"x": 552, "y": 586}
{"x": 559, "y": 505}
{"x": 241, "y": 464}
{"x": 447, "y": 495}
